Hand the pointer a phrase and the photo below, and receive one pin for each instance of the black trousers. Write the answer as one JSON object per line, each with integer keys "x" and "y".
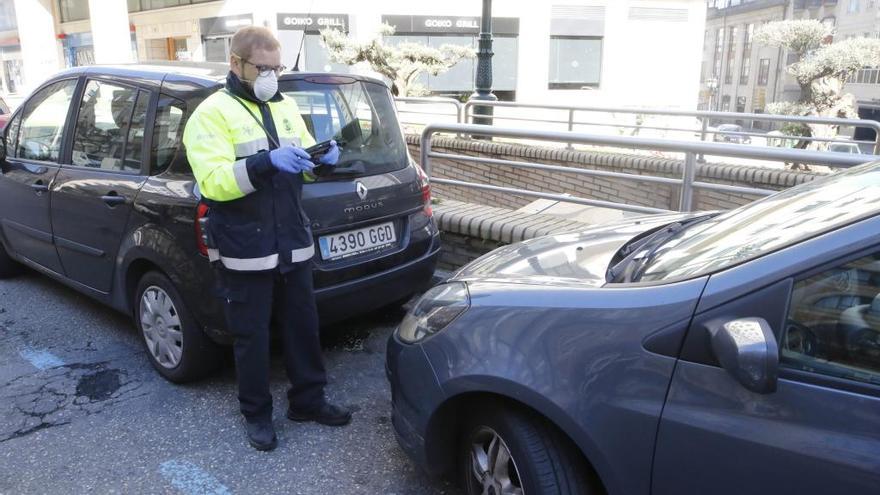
{"x": 251, "y": 299}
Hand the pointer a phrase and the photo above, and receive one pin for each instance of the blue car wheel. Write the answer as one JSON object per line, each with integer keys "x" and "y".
{"x": 507, "y": 451}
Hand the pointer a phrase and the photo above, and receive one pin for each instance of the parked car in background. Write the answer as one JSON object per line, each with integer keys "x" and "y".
{"x": 728, "y": 133}
{"x": 780, "y": 140}
{"x": 722, "y": 353}
{"x": 844, "y": 147}
{"x": 4, "y": 113}
{"x": 96, "y": 192}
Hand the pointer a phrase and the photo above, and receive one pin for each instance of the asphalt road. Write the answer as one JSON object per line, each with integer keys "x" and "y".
{"x": 82, "y": 411}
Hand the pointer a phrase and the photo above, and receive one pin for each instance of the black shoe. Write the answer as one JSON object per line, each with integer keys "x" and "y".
{"x": 326, "y": 414}
{"x": 261, "y": 435}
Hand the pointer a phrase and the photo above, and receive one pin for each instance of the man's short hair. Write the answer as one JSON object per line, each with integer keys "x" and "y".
{"x": 246, "y": 39}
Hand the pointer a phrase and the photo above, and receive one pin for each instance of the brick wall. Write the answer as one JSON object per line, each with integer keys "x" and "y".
{"x": 608, "y": 189}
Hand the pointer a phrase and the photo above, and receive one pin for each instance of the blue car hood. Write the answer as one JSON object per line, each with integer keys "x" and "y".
{"x": 576, "y": 258}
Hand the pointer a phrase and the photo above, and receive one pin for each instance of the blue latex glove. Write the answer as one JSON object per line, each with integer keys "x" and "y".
{"x": 331, "y": 156}
{"x": 291, "y": 159}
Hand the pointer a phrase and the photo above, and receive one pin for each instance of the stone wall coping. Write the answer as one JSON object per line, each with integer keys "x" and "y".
{"x": 498, "y": 224}
{"x": 748, "y": 175}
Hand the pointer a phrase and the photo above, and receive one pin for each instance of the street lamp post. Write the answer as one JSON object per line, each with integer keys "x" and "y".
{"x": 483, "y": 80}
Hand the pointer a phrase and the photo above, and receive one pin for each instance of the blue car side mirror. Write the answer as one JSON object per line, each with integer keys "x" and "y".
{"x": 747, "y": 349}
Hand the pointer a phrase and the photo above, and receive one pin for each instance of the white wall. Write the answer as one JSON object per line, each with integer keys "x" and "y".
{"x": 645, "y": 63}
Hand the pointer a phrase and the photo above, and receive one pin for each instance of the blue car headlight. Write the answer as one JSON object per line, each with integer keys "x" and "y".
{"x": 436, "y": 309}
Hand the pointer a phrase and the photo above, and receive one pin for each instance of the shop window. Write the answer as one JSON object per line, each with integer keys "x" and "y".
{"x": 140, "y": 5}
{"x": 8, "y": 21}
{"x": 73, "y": 10}
{"x": 575, "y": 62}
{"x": 217, "y": 49}
{"x": 317, "y": 58}
{"x": 764, "y": 72}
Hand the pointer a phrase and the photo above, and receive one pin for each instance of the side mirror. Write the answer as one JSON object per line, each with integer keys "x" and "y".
{"x": 747, "y": 349}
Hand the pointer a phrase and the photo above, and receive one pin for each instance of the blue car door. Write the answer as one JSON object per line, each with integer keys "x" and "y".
{"x": 819, "y": 430}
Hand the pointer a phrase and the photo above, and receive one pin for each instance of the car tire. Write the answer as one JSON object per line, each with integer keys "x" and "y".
{"x": 541, "y": 460}
{"x": 8, "y": 266}
{"x": 176, "y": 345}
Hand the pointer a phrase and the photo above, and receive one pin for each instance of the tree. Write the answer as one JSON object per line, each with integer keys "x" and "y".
{"x": 402, "y": 63}
{"x": 821, "y": 71}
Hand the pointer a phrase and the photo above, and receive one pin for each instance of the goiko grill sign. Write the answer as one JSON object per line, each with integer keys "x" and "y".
{"x": 423, "y": 24}
{"x": 312, "y": 23}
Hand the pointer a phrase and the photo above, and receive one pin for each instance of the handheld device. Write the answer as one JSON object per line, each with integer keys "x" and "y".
{"x": 319, "y": 150}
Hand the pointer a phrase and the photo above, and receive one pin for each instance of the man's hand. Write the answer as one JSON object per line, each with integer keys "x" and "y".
{"x": 331, "y": 156}
{"x": 291, "y": 159}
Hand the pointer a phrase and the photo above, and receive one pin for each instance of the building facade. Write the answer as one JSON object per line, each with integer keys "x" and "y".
{"x": 586, "y": 52}
{"x": 738, "y": 76}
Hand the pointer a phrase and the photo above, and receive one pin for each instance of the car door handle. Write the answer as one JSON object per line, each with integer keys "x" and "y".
{"x": 39, "y": 187}
{"x": 112, "y": 199}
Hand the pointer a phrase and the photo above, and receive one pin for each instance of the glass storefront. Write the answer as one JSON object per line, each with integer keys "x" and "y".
{"x": 436, "y": 31}
{"x": 217, "y": 32}
{"x": 295, "y": 30}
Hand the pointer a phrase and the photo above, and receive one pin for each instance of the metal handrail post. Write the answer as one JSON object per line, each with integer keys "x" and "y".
{"x": 570, "y": 125}
{"x": 687, "y": 182}
{"x": 425, "y": 151}
{"x": 704, "y": 126}
{"x": 877, "y": 141}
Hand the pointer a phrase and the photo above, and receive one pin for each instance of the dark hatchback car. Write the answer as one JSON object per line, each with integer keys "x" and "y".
{"x": 96, "y": 192}
{"x": 726, "y": 353}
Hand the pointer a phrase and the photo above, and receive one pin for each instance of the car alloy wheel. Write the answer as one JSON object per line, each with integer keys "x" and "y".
{"x": 493, "y": 468}
{"x": 160, "y": 323}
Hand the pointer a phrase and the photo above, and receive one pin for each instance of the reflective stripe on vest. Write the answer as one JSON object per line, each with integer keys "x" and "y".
{"x": 239, "y": 169}
{"x": 251, "y": 147}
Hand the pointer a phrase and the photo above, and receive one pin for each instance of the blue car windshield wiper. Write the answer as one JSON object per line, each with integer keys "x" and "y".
{"x": 642, "y": 250}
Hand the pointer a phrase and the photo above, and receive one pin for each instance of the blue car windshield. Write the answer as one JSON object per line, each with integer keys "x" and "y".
{"x": 767, "y": 225}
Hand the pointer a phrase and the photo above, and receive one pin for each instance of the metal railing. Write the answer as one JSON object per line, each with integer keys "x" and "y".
{"x": 433, "y": 101}
{"x": 687, "y": 182}
{"x": 704, "y": 117}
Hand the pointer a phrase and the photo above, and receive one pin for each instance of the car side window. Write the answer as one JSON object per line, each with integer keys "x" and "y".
{"x": 111, "y": 118}
{"x": 167, "y": 132}
{"x": 833, "y": 325}
{"x": 42, "y": 125}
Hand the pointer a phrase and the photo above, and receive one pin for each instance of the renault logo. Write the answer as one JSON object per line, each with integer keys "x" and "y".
{"x": 361, "y": 190}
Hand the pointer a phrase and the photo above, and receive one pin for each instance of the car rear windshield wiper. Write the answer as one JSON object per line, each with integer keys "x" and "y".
{"x": 353, "y": 169}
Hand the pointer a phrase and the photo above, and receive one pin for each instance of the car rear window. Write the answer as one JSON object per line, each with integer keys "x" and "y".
{"x": 358, "y": 114}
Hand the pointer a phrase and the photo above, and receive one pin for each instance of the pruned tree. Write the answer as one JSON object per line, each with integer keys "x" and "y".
{"x": 821, "y": 70}
{"x": 402, "y": 63}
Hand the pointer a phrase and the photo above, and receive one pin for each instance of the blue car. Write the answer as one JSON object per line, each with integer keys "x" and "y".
{"x": 703, "y": 353}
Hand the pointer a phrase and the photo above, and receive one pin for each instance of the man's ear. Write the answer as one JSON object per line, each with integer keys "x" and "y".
{"x": 235, "y": 65}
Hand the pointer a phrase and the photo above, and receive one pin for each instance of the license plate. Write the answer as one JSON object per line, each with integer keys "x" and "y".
{"x": 360, "y": 241}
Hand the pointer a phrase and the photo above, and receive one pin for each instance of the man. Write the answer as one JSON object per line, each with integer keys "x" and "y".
{"x": 244, "y": 144}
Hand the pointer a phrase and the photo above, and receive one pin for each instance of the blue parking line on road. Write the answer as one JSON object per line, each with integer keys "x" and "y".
{"x": 40, "y": 359}
{"x": 191, "y": 479}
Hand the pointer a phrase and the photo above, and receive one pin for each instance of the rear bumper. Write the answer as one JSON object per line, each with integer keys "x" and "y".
{"x": 365, "y": 294}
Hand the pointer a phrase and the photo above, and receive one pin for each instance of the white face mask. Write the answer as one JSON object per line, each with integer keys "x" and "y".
{"x": 265, "y": 87}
